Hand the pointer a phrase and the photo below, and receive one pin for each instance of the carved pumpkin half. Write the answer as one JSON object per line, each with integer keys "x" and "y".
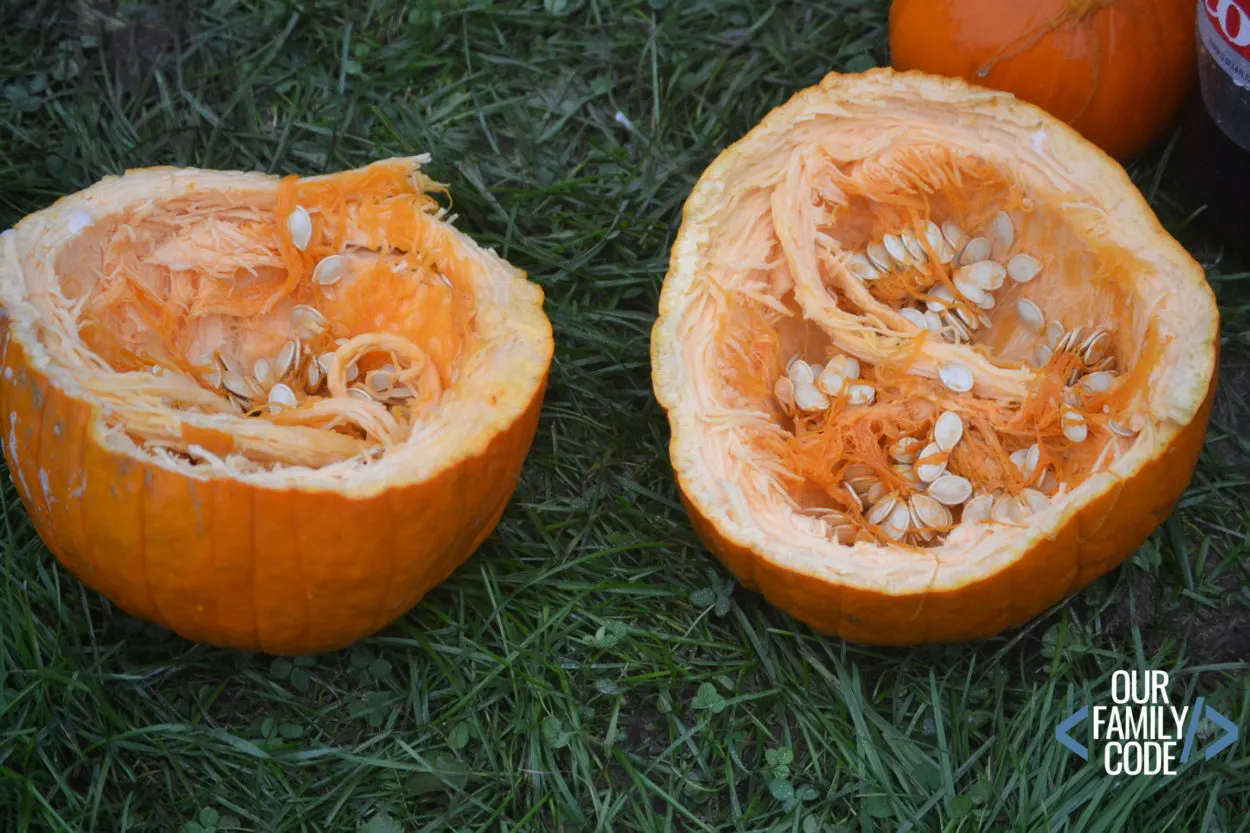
{"x": 267, "y": 413}
{"x": 1116, "y": 70}
{"x": 929, "y": 360}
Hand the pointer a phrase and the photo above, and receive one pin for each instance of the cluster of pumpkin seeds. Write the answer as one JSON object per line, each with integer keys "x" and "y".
{"x": 975, "y": 273}
{"x": 936, "y": 501}
{"x": 299, "y": 369}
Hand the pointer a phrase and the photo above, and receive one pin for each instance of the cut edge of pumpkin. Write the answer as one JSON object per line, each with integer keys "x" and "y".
{"x": 502, "y": 376}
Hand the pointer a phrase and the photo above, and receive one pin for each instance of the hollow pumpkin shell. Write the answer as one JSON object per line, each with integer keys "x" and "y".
{"x": 210, "y": 514}
{"x": 779, "y": 274}
{"x": 1116, "y": 70}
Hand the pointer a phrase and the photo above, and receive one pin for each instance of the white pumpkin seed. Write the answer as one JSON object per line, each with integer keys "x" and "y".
{"x": 914, "y": 316}
{"x": 800, "y": 373}
{"x": 906, "y": 449}
{"x": 931, "y": 464}
{"x": 977, "y": 510}
{"x": 1099, "y": 382}
{"x": 260, "y": 371}
{"x": 1054, "y": 334}
{"x": 974, "y": 293}
{"x": 855, "y": 498}
{"x": 950, "y": 489}
{"x": 1004, "y": 230}
{"x": 783, "y": 389}
{"x": 831, "y": 382}
{"x": 933, "y": 236}
{"x": 1043, "y": 354}
{"x": 236, "y": 384}
{"x": 943, "y": 298}
{"x": 986, "y": 274}
{"x": 1048, "y": 481}
{"x": 948, "y": 430}
{"x": 955, "y": 376}
{"x": 863, "y": 269}
{"x": 330, "y": 270}
{"x": 954, "y": 234}
{"x": 286, "y": 359}
{"x": 1030, "y": 315}
{"x": 861, "y": 394}
{"x": 928, "y": 512}
{"x": 399, "y": 393}
{"x": 378, "y": 381}
{"x": 299, "y": 224}
{"x": 1024, "y": 268}
{"x": 1095, "y": 347}
{"x": 848, "y": 366}
{"x": 904, "y": 471}
{"x": 899, "y": 521}
{"x": 933, "y": 322}
{"x": 875, "y": 492}
{"x": 881, "y": 509}
{"x": 880, "y": 258}
{"x": 844, "y": 534}
{"x": 1074, "y": 426}
{"x": 1070, "y": 341}
{"x": 859, "y": 476}
{"x": 1006, "y": 510}
{"x": 970, "y": 320}
{"x": 1035, "y": 500}
{"x": 914, "y": 249}
{"x": 281, "y": 395}
{"x": 308, "y": 320}
{"x": 946, "y": 253}
{"x": 975, "y": 250}
{"x": 898, "y": 252}
{"x": 958, "y": 328}
{"x": 312, "y": 377}
{"x": 809, "y": 399}
{"x": 1025, "y": 460}
{"x": 358, "y": 392}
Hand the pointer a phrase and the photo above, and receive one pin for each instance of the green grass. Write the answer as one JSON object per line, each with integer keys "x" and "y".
{"x": 592, "y": 667}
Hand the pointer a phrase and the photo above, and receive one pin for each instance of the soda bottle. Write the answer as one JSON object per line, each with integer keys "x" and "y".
{"x": 1214, "y": 144}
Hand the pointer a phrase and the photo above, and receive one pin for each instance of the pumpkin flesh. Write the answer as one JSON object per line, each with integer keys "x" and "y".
{"x": 826, "y": 501}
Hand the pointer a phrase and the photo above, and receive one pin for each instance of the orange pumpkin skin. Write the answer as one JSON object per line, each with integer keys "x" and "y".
{"x": 1116, "y": 70}
{"x": 234, "y": 564}
{"x": 255, "y": 566}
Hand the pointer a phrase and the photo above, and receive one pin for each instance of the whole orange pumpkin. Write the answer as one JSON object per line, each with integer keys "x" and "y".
{"x": 266, "y": 413}
{"x": 1116, "y": 70}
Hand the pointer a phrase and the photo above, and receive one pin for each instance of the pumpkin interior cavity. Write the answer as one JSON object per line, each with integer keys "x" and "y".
{"x": 925, "y": 344}
{"x": 322, "y": 322}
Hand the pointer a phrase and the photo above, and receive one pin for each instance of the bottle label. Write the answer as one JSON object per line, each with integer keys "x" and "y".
{"x": 1224, "y": 26}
